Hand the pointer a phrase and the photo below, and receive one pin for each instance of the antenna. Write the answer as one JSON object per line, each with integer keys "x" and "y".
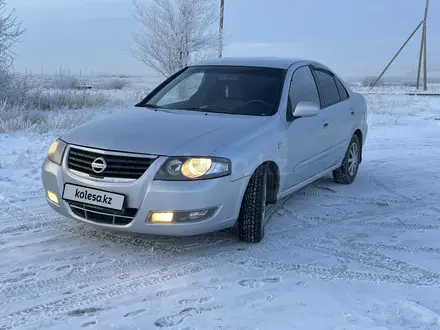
{"x": 422, "y": 53}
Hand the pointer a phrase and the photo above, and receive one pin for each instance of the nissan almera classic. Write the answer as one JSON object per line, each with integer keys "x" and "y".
{"x": 209, "y": 149}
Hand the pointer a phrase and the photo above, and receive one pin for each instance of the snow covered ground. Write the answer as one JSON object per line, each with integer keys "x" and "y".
{"x": 364, "y": 256}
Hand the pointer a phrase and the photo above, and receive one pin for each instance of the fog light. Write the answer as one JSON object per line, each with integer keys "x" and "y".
{"x": 52, "y": 197}
{"x": 162, "y": 217}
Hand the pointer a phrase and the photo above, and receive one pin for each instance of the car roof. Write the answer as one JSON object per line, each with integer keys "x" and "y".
{"x": 268, "y": 62}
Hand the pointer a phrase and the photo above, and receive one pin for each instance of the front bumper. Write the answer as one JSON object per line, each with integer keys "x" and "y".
{"x": 147, "y": 195}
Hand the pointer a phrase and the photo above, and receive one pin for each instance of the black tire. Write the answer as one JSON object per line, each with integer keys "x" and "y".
{"x": 346, "y": 174}
{"x": 251, "y": 220}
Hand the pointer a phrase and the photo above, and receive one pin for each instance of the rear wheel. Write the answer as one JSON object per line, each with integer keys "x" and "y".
{"x": 251, "y": 220}
{"x": 347, "y": 173}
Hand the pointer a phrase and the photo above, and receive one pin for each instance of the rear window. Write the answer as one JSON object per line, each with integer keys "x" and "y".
{"x": 343, "y": 94}
{"x": 328, "y": 86}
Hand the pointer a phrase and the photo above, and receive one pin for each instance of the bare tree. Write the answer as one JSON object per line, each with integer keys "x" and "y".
{"x": 175, "y": 33}
{"x": 10, "y": 33}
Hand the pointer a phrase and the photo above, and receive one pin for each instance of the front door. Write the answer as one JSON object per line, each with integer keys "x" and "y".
{"x": 305, "y": 136}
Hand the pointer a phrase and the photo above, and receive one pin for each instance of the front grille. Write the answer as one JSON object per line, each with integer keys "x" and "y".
{"x": 121, "y": 167}
{"x": 103, "y": 215}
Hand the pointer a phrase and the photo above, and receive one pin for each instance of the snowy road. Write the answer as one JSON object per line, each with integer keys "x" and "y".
{"x": 364, "y": 256}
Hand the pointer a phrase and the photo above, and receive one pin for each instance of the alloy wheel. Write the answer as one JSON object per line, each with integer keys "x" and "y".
{"x": 353, "y": 158}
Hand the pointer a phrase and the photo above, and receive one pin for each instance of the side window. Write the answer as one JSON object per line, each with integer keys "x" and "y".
{"x": 343, "y": 94}
{"x": 303, "y": 87}
{"x": 330, "y": 93}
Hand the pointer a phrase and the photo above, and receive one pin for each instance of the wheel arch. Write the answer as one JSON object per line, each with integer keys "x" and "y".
{"x": 273, "y": 177}
{"x": 360, "y": 136}
{"x": 273, "y": 181}
{"x": 247, "y": 227}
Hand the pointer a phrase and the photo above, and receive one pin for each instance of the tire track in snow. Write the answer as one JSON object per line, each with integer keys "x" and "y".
{"x": 75, "y": 301}
{"x": 397, "y": 248}
{"x": 167, "y": 247}
{"x": 14, "y": 211}
{"x": 277, "y": 247}
{"x": 396, "y": 225}
{"x": 336, "y": 225}
{"x": 380, "y": 207}
{"x": 74, "y": 279}
{"x": 352, "y": 199}
{"x": 332, "y": 228}
{"x": 77, "y": 278}
{"x": 13, "y": 245}
{"x": 398, "y": 146}
{"x": 329, "y": 274}
{"x": 375, "y": 259}
{"x": 391, "y": 189}
{"x": 32, "y": 224}
{"x": 17, "y": 292}
{"x": 346, "y": 223}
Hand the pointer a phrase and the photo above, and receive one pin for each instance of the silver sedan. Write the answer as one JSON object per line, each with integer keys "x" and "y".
{"x": 210, "y": 148}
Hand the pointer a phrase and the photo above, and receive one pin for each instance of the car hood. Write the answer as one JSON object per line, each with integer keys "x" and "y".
{"x": 163, "y": 132}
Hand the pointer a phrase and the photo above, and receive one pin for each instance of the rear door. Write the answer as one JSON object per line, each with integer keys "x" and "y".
{"x": 305, "y": 136}
{"x": 334, "y": 114}
{"x": 347, "y": 115}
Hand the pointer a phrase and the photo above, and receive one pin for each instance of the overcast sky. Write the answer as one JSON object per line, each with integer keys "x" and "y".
{"x": 354, "y": 37}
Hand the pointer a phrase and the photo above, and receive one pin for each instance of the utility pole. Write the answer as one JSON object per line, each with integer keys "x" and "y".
{"x": 397, "y": 54}
{"x": 423, "y": 53}
{"x": 425, "y": 68}
{"x": 419, "y": 68}
{"x": 220, "y": 37}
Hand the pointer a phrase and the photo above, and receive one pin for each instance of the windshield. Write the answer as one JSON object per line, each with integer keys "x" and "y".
{"x": 224, "y": 89}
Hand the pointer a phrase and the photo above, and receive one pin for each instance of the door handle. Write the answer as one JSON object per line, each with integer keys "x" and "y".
{"x": 325, "y": 123}
{"x": 352, "y": 111}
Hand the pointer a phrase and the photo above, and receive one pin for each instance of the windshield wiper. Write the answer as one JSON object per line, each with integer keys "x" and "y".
{"x": 191, "y": 108}
{"x": 201, "y": 109}
{"x": 149, "y": 105}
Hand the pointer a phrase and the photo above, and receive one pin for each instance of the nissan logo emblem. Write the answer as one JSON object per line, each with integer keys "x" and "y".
{"x": 99, "y": 165}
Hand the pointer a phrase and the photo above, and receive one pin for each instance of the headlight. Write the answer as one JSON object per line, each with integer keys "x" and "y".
{"x": 56, "y": 151}
{"x": 193, "y": 168}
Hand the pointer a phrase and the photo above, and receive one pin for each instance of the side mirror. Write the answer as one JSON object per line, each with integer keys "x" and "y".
{"x": 306, "y": 109}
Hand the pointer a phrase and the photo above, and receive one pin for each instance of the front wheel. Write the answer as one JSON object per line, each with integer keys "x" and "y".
{"x": 347, "y": 173}
{"x": 251, "y": 220}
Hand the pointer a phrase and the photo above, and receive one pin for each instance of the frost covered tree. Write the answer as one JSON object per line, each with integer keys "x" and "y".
{"x": 175, "y": 33}
{"x": 10, "y": 33}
